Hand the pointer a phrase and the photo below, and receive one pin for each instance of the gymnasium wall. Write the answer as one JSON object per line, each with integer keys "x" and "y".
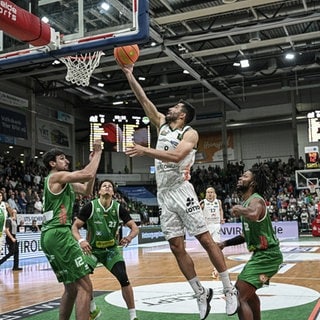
{"x": 252, "y": 143}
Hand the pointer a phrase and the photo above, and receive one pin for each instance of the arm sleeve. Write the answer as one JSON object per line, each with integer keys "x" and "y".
{"x": 234, "y": 241}
{"x": 85, "y": 212}
{"x": 124, "y": 214}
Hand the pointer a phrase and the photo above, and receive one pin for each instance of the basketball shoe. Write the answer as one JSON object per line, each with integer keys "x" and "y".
{"x": 232, "y": 302}
{"x": 95, "y": 314}
{"x": 203, "y": 300}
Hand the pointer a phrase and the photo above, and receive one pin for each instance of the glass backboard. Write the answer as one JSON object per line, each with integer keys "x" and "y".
{"x": 77, "y": 26}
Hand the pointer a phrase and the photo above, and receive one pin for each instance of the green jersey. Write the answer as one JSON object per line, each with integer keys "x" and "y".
{"x": 53, "y": 203}
{"x": 259, "y": 235}
{"x": 2, "y": 220}
{"x": 103, "y": 224}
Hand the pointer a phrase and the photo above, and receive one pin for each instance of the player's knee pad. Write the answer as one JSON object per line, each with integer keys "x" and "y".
{"x": 119, "y": 271}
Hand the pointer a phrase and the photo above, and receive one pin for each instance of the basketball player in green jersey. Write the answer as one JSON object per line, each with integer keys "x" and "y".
{"x": 101, "y": 219}
{"x": 259, "y": 236}
{"x": 2, "y": 223}
{"x": 62, "y": 250}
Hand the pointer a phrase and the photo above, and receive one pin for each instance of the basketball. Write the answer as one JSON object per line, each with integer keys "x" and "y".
{"x": 127, "y": 54}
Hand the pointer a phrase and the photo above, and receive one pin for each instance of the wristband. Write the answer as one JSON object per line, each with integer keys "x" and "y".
{"x": 234, "y": 241}
{"x": 81, "y": 240}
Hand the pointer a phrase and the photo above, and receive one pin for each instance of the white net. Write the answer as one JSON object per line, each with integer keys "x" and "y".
{"x": 80, "y": 67}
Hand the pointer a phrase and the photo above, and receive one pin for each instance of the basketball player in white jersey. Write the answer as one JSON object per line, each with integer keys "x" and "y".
{"x": 178, "y": 203}
{"x": 213, "y": 214}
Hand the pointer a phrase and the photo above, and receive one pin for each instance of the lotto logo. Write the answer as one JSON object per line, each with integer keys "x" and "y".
{"x": 191, "y": 207}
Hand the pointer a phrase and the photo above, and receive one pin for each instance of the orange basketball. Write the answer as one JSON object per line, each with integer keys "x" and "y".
{"x": 127, "y": 54}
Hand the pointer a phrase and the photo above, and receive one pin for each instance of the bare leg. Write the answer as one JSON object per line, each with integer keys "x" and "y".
{"x": 214, "y": 252}
{"x": 84, "y": 295}
{"x": 254, "y": 304}
{"x": 184, "y": 261}
{"x": 127, "y": 294}
{"x": 67, "y": 301}
{"x": 249, "y": 308}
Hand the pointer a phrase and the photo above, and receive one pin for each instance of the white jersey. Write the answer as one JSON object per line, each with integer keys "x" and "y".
{"x": 211, "y": 211}
{"x": 171, "y": 174}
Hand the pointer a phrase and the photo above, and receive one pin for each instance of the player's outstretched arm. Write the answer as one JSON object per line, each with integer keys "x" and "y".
{"x": 149, "y": 108}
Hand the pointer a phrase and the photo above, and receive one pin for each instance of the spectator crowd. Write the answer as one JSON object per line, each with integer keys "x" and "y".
{"x": 22, "y": 186}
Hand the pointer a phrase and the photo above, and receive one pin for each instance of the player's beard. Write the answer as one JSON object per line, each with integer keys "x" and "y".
{"x": 241, "y": 188}
{"x": 171, "y": 117}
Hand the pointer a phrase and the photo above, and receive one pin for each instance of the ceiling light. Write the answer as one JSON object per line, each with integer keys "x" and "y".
{"x": 100, "y": 84}
{"x": 236, "y": 64}
{"x": 289, "y": 56}
{"x": 45, "y": 19}
{"x": 186, "y": 71}
{"x": 116, "y": 103}
{"x": 244, "y": 63}
{"x": 105, "y": 6}
{"x": 142, "y": 78}
{"x": 153, "y": 44}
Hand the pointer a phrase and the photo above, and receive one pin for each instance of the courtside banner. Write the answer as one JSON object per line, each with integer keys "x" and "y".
{"x": 29, "y": 245}
{"x": 149, "y": 234}
{"x": 282, "y": 229}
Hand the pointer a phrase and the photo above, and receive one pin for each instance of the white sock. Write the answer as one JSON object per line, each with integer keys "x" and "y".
{"x": 224, "y": 277}
{"x": 92, "y": 305}
{"x": 132, "y": 313}
{"x": 196, "y": 285}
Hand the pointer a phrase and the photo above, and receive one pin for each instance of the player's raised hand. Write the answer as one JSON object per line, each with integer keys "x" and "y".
{"x": 95, "y": 148}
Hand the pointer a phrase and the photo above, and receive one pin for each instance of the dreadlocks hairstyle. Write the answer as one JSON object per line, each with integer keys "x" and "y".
{"x": 51, "y": 156}
{"x": 262, "y": 180}
{"x": 189, "y": 110}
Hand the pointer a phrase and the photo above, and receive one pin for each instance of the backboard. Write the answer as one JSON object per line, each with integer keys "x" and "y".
{"x": 307, "y": 179}
{"x": 74, "y": 26}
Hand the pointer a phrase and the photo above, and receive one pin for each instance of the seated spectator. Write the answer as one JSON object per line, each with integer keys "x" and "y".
{"x": 22, "y": 202}
{"x": 30, "y": 197}
{"x": 34, "y": 227}
{"x": 13, "y": 202}
{"x": 21, "y": 226}
{"x": 37, "y": 205}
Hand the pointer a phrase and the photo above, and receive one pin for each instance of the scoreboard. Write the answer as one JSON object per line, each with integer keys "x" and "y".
{"x": 119, "y": 131}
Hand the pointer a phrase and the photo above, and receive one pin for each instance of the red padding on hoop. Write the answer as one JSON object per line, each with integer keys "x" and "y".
{"x": 23, "y": 25}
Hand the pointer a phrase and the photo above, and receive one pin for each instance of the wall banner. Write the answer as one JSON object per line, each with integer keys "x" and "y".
{"x": 13, "y": 101}
{"x": 210, "y": 147}
{"x": 52, "y": 133}
{"x": 13, "y": 124}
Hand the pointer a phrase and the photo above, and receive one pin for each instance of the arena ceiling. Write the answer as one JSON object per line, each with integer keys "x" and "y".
{"x": 194, "y": 52}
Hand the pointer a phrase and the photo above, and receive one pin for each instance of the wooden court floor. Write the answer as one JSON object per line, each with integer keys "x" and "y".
{"x": 151, "y": 264}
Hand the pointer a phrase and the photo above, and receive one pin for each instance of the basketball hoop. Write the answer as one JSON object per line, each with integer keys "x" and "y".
{"x": 80, "y": 67}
